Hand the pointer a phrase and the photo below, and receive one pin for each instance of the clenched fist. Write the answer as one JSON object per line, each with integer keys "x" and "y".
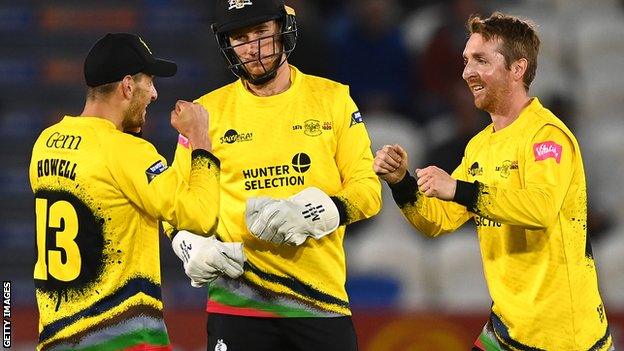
{"x": 435, "y": 182}
{"x": 390, "y": 163}
{"x": 191, "y": 120}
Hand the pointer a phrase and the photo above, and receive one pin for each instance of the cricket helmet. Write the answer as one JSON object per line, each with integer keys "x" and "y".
{"x": 236, "y": 14}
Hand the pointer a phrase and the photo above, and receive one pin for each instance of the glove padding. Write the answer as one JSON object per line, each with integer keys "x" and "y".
{"x": 206, "y": 258}
{"x": 308, "y": 213}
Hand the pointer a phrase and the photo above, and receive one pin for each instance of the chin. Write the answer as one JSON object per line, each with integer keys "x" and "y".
{"x": 483, "y": 103}
{"x": 478, "y": 103}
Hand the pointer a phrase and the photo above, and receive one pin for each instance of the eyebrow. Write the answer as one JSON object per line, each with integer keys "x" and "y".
{"x": 474, "y": 54}
{"x": 264, "y": 25}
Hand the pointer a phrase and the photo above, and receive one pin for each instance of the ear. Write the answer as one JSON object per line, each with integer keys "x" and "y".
{"x": 127, "y": 86}
{"x": 518, "y": 68}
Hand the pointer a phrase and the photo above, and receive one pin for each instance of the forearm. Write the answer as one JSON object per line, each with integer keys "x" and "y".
{"x": 529, "y": 208}
{"x": 431, "y": 216}
{"x": 196, "y": 204}
{"x": 358, "y": 200}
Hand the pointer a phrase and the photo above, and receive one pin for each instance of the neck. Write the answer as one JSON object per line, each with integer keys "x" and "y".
{"x": 507, "y": 112}
{"x": 277, "y": 85}
{"x": 105, "y": 109}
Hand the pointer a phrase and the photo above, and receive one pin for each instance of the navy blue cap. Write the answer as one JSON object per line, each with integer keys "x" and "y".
{"x": 119, "y": 54}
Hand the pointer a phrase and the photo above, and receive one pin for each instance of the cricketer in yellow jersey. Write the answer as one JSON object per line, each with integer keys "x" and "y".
{"x": 295, "y": 169}
{"x": 524, "y": 175}
{"x": 99, "y": 196}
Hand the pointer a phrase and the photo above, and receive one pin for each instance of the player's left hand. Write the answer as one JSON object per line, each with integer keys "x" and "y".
{"x": 310, "y": 212}
{"x": 435, "y": 182}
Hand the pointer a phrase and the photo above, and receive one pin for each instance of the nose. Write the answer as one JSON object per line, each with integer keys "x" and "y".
{"x": 253, "y": 47}
{"x": 154, "y": 94}
{"x": 468, "y": 71}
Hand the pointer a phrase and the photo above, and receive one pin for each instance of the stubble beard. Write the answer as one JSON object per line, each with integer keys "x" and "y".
{"x": 133, "y": 116}
{"x": 493, "y": 98}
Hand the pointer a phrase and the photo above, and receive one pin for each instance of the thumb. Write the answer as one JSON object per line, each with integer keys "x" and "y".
{"x": 196, "y": 284}
{"x": 400, "y": 150}
{"x": 234, "y": 251}
{"x": 181, "y": 105}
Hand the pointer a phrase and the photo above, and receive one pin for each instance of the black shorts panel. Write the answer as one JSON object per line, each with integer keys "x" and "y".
{"x": 240, "y": 333}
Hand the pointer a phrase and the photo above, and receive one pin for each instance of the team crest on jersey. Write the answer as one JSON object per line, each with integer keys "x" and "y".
{"x": 356, "y": 117}
{"x": 154, "y": 170}
{"x": 312, "y": 127}
{"x": 238, "y": 4}
{"x": 506, "y": 167}
{"x": 547, "y": 149}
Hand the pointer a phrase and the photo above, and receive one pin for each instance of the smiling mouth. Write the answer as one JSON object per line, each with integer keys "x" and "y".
{"x": 476, "y": 88}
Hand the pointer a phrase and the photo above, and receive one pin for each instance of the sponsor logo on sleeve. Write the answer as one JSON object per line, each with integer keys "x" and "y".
{"x": 547, "y": 149}
{"x": 182, "y": 140}
{"x": 356, "y": 117}
{"x": 154, "y": 170}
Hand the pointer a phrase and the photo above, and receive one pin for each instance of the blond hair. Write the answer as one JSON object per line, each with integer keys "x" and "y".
{"x": 518, "y": 39}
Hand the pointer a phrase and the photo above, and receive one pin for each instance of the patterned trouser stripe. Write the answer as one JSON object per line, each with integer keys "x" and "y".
{"x": 487, "y": 340}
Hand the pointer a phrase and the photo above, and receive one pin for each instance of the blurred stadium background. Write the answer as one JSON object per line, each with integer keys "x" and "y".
{"x": 403, "y": 62}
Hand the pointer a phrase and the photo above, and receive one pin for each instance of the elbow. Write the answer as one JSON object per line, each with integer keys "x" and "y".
{"x": 209, "y": 221}
{"x": 547, "y": 220}
{"x": 373, "y": 204}
{"x": 376, "y": 204}
{"x": 203, "y": 222}
{"x": 210, "y": 227}
{"x": 377, "y": 201}
{"x": 548, "y": 215}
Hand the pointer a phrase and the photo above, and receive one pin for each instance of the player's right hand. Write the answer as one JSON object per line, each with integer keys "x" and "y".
{"x": 206, "y": 258}
{"x": 191, "y": 120}
{"x": 309, "y": 213}
{"x": 390, "y": 163}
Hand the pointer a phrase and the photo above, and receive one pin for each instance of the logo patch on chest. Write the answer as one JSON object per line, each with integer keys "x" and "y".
{"x": 232, "y": 136}
{"x": 506, "y": 167}
{"x": 312, "y": 127}
{"x": 475, "y": 170}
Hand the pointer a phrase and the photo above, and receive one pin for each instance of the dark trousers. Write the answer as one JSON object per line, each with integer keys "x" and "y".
{"x": 240, "y": 333}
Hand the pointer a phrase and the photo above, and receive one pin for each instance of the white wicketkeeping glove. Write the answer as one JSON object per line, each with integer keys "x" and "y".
{"x": 206, "y": 258}
{"x": 308, "y": 213}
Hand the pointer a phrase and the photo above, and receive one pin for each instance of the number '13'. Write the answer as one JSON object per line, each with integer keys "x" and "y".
{"x": 62, "y": 219}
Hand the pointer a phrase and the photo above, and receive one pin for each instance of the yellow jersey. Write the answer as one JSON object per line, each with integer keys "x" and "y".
{"x": 526, "y": 193}
{"x": 99, "y": 195}
{"x": 310, "y": 135}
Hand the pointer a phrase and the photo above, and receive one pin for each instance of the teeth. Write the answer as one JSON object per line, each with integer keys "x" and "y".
{"x": 477, "y": 87}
